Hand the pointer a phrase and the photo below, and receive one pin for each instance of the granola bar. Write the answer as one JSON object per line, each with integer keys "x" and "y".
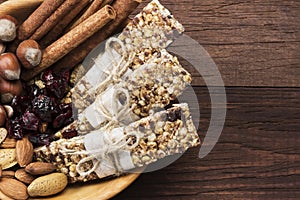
{"x": 152, "y": 30}
{"x": 154, "y": 85}
{"x": 143, "y": 142}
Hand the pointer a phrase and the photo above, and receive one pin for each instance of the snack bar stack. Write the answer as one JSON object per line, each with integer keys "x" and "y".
{"x": 105, "y": 154}
{"x": 152, "y": 30}
{"x": 150, "y": 87}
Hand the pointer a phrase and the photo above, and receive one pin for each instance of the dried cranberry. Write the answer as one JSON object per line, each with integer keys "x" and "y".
{"x": 62, "y": 120}
{"x": 70, "y": 133}
{"x": 65, "y": 107}
{"x": 65, "y": 75}
{"x": 47, "y": 77}
{"x": 34, "y": 91}
{"x": 37, "y": 105}
{"x": 42, "y": 106}
{"x": 40, "y": 139}
{"x": 20, "y": 104}
{"x": 56, "y": 84}
{"x": 14, "y": 129}
{"x": 58, "y": 88}
{"x": 30, "y": 121}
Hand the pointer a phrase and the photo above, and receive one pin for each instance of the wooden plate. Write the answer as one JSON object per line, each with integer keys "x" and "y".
{"x": 89, "y": 191}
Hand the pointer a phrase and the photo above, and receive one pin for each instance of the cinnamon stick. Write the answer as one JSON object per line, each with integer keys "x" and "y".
{"x": 123, "y": 9}
{"x": 95, "y": 5}
{"x": 28, "y": 27}
{"x": 58, "y": 30}
{"x": 106, "y": 2}
{"x": 57, "y": 16}
{"x": 71, "y": 40}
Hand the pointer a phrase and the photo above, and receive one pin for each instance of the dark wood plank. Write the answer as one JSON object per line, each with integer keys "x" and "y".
{"x": 254, "y": 43}
{"x": 257, "y": 156}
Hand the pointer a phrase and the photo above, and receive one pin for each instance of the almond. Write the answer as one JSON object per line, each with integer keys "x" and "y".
{"x": 7, "y": 158}
{"x": 48, "y": 185}
{"x": 3, "y": 134}
{"x": 8, "y": 174}
{"x": 24, "y": 152}
{"x": 8, "y": 143}
{"x": 40, "y": 168}
{"x": 13, "y": 188}
{"x": 4, "y": 197}
{"x": 23, "y": 176}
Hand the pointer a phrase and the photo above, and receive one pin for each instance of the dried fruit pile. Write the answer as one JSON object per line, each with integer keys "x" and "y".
{"x": 42, "y": 109}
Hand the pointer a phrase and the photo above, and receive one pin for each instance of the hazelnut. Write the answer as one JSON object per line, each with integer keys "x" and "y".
{"x": 10, "y": 68}
{"x": 2, "y": 47}
{"x": 29, "y": 53}
{"x": 9, "y": 111}
{"x": 8, "y": 28}
{"x": 9, "y": 89}
{"x": 2, "y": 116}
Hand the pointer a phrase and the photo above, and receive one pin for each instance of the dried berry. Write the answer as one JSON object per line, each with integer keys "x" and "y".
{"x": 64, "y": 117}
{"x": 65, "y": 107}
{"x": 43, "y": 107}
{"x": 56, "y": 84}
{"x": 70, "y": 133}
{"x": 59, "y": 121}
{"x": 20, "y": 104}
{"x": 30, "y": 121}
{"x": 40, "y": 139}
{"x": 47, "y": 77}
{"x": 34, "y": 91}
{"x": 14, "y": 128}
{"x": 40, "y": 105}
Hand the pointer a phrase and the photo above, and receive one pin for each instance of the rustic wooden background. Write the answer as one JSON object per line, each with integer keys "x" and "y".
{"x": 255, "y": 45}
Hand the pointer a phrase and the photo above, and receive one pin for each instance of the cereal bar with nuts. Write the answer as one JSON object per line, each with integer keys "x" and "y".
{"x": 154, "y": 85}
{"x": 110, "y": 153}
{"x": 152, "y": 30}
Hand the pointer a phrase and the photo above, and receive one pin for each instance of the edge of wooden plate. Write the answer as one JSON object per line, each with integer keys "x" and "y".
{"x": 20, "y": 9}
{"x": 93, "y": 191}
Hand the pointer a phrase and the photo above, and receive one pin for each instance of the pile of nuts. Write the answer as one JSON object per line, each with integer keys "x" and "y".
{"x": 20, "y": 177}
{"x": 28, "y": 55}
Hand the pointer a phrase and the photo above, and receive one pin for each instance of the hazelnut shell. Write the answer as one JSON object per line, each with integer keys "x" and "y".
{"x": 8, "y": 28}
{"x": 9, "y": 89}
{"x": 10, "y": 68}
{"x": 2, "y": 116}
{"x": 29, "y": 53}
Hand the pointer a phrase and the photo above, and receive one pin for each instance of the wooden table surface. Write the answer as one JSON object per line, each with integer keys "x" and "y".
{"x": 255, "y": 45}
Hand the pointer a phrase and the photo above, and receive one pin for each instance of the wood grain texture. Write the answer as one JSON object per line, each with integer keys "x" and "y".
{"x": 257, "y": 156}
{"x": 254, "y": 43}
